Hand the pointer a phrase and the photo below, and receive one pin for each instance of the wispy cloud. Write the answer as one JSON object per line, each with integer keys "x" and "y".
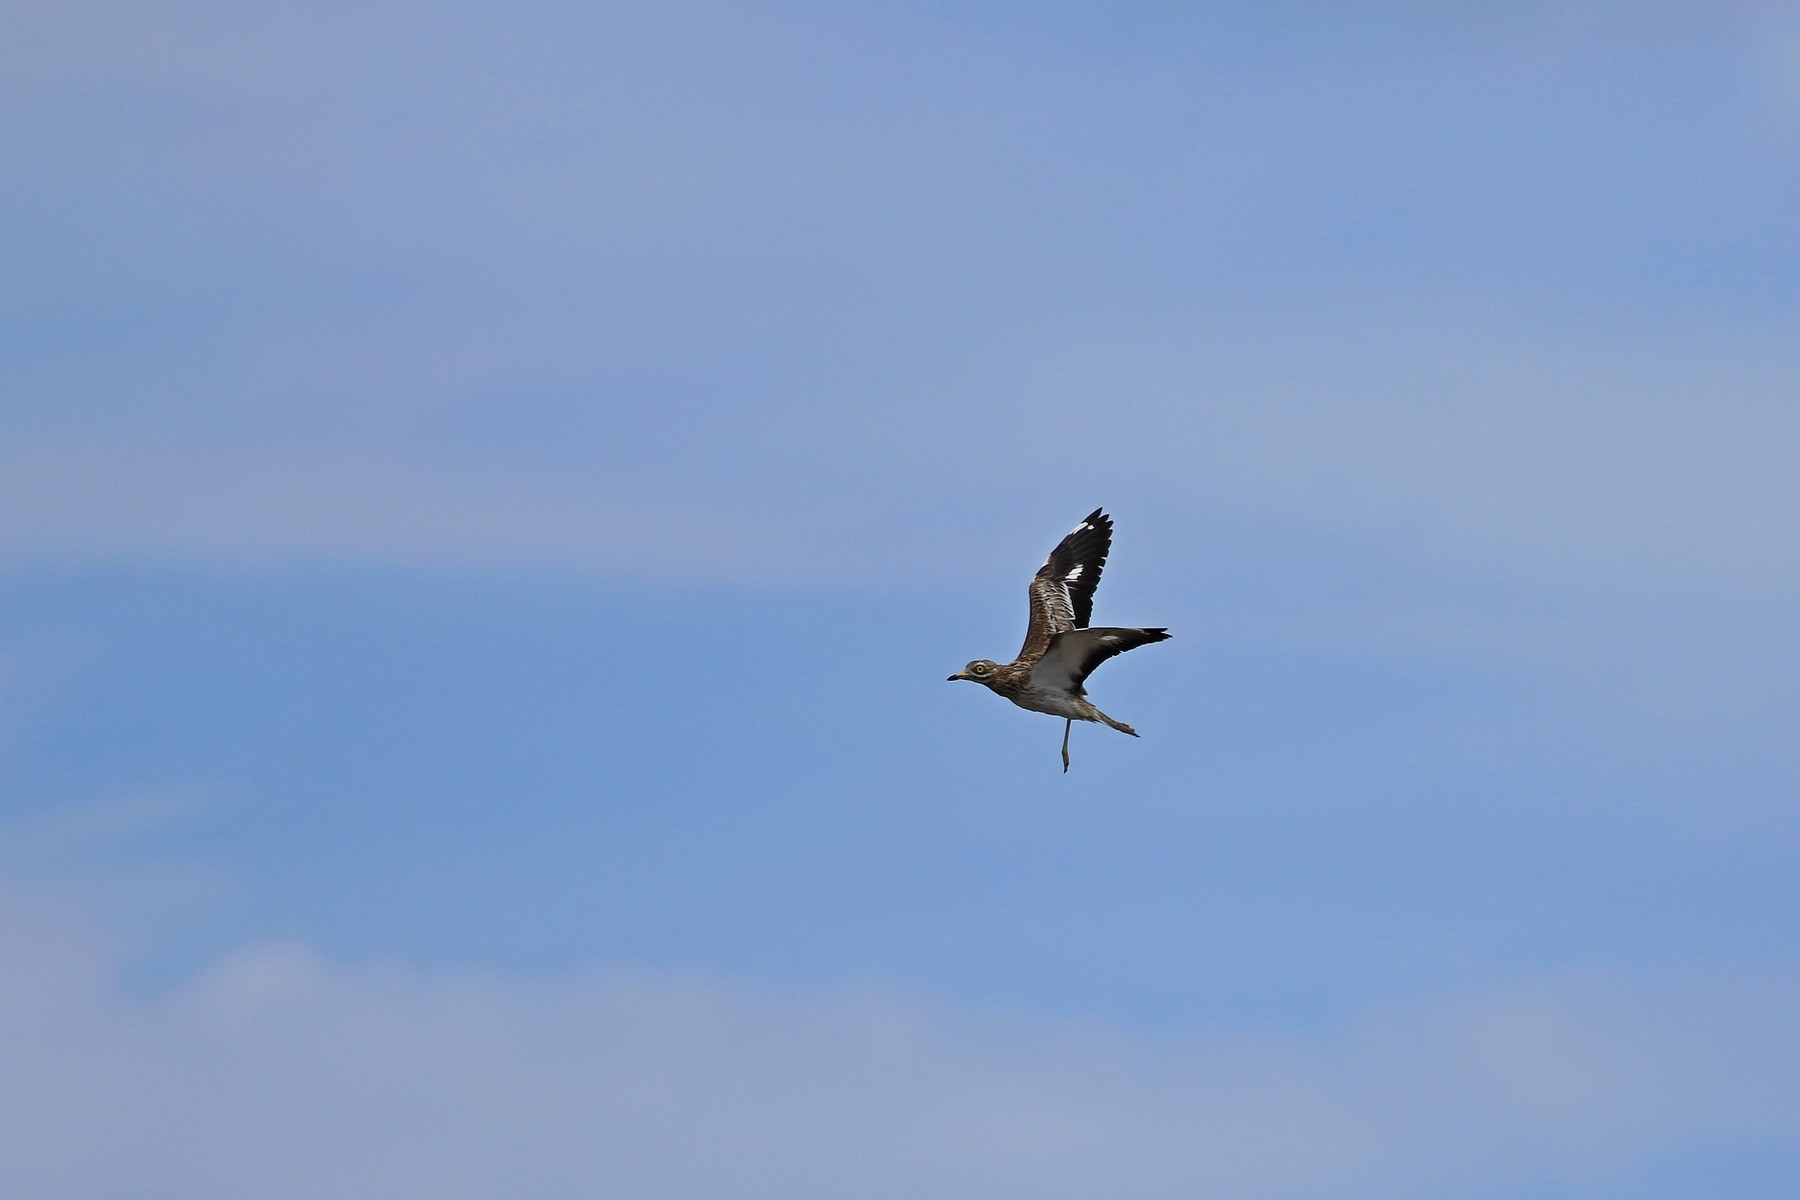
{"x": 278, "y": 1073}
{"x": 1513, "y": 450}
{"x": 105, "y": 822}
{"x": 253, "y": 505}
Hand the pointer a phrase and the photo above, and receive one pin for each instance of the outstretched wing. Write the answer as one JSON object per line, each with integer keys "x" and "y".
{"x": 1074, "y": 653}
{"x": 1062, "y": 594}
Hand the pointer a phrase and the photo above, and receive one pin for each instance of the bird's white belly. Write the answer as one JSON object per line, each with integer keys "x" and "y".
{"x": 1054, "y": 701}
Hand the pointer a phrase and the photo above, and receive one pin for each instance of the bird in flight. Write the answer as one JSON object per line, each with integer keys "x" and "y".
{"x": 1060, "y": 650}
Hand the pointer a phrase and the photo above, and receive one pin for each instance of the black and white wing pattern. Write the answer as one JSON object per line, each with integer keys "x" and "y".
{"x": 1074, "y": 653}
{"x": 1062, "y": 594}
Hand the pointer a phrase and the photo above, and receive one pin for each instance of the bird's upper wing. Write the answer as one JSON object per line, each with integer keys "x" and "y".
{"x": 1074, "y": 653}
{"x": 1062, "y": 593}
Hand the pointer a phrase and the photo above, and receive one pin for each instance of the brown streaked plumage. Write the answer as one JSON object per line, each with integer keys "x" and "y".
{"x": 1060, "y": 650}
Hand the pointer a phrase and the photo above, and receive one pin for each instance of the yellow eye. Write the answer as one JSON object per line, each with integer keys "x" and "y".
{"x": 978, "y": 669}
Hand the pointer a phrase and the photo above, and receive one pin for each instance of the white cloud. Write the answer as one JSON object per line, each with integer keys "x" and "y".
{"x": 276, "y": 1073}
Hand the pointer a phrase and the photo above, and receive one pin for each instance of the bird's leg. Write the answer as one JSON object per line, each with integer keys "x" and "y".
{"x": 1067, "y": 725}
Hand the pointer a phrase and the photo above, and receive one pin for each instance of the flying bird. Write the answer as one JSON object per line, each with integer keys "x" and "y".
{"x": 1060, "y": 650}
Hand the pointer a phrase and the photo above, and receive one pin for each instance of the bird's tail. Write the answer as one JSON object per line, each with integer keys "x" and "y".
{"x": 1121, "y": 726}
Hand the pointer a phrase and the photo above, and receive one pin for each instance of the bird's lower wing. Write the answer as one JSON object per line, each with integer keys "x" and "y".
{"x": 1073, "y": 654}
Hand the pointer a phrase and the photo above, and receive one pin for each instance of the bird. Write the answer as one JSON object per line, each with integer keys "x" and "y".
{"x": 1060, "y": 649}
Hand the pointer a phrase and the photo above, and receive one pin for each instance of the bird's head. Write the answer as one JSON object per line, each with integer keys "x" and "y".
{"x": 979, "y": 671}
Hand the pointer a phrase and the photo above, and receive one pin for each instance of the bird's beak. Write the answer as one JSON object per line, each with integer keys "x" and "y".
{"x": 959, "y": 675}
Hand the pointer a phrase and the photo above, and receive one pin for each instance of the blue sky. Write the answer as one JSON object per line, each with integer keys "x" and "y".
{"x": 489, "y": 495}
